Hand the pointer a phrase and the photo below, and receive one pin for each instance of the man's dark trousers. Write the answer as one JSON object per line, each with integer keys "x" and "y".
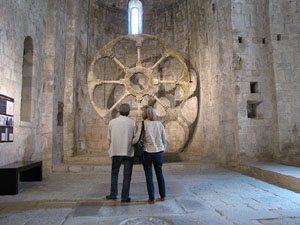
{"x": 116, "y": 164}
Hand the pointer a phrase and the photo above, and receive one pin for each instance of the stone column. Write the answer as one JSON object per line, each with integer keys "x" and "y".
{"x": 48, "y": 87}
{"x": 228, "y": 122}
{"x": 70, "y": 80}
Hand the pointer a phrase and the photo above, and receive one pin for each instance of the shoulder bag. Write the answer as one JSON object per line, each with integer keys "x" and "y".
{"x": 139, "y": 146}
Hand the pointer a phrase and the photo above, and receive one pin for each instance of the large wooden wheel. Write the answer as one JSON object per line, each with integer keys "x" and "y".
{"x": 183, "y": 80}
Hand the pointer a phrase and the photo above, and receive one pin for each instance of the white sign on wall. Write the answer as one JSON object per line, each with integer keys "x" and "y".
{"x": 6, "y": 119}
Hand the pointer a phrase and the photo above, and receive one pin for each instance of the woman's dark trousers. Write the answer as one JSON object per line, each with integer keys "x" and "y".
{"x": 157, "y": 160}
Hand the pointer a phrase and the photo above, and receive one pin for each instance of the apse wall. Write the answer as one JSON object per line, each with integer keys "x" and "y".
{"x": 103, "y": 22}
{"x": 230, "y": 46}
{"x": 21, "y": 19}
{"x": 193, "y": 30}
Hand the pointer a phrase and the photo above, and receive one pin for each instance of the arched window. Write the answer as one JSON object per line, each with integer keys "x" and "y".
{"x": 135, "y": 17}
{"x": 26, "y": 100}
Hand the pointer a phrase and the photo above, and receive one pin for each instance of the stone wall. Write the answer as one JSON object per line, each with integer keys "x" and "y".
{"x": 180, "y": 27}
{"x": 243, "y": 57}
{"x": 53, "y": 87}
{"x": 255, "y": 90}
{"x": 20, "y": 19}
{"x": 284, "y": 17}
{"x": 223, "y": 82}
{"x": 211, "y": 40}
{"x": 171, "y": 23}
{"x": 228, "y": 47}
{"x": 70, "y": 110}
{"x": 195, "y": 33}
{"x": 98, "y": 25}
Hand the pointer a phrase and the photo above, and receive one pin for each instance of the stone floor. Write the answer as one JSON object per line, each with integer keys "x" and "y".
{"x": 193, "y": 197}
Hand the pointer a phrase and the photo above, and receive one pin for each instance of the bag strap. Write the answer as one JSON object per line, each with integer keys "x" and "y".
{"x": 142, "y": 132}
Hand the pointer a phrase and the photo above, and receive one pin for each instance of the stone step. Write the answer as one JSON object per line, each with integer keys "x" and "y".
{"x": 291, "y": 161}
{"x": 100, "y": 159}
{"x": 167, "y": 167}
{"x": 281, "y": 175}
{"x": 89, "y": 159}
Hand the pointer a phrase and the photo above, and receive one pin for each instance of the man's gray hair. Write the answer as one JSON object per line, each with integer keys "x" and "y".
{"x": 124, "y": 109}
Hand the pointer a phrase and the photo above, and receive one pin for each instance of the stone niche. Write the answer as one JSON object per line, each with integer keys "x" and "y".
{"x": 143, "y": 70}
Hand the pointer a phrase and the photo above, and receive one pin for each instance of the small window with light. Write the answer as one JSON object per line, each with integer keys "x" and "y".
{"x": 135, "y": 17}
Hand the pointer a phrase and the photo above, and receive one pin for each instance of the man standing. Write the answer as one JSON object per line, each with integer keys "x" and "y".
{"x": 121, "y": 131}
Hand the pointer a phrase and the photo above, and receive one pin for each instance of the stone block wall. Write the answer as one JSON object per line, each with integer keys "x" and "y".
{"x": 97, "y": 27}
{"x": 255, "y": 87}
{"x": 20, "y": 19}
{"x": 171, "y": 23}
{"x": 218, "y": 120}
{"x": 284, "y": 17}
{"x": 53, "y": 85}
{"x": 223, "y": 81}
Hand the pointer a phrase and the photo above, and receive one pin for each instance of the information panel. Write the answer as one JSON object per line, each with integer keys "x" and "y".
{"x": 6, "y": 119}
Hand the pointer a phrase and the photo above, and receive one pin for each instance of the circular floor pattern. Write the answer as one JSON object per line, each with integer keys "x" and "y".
{"x": 146, "y": 221}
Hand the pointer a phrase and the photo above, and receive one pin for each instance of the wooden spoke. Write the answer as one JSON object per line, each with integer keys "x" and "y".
{"x": 160, "y": 102}
{"x": 172, "y": 115}
{"x": 119, "y": 63}
{"x": 168, "y": 81}
{"x": 164, "y": 56}
{"x": 139, "y": 111}
{"x": 139, "y": 99}
{"x": 112, "y": 81}
{"x": 119, "y": 101}
{"x": 138, "y": 63}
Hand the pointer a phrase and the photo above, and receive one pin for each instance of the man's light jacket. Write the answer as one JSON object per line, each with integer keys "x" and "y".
{"x": 121, "y": 131}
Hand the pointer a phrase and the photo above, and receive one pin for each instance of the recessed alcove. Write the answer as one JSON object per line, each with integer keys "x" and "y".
{"x": 253, "y": 87}
{"x": 254, "y": 110}
{"x": 240, "y": 40}
{"x": 278, "y": 37}
{"x": 60, "y": 110}
{"x": 213, "y": 7}
{"x": 27, "y": 70}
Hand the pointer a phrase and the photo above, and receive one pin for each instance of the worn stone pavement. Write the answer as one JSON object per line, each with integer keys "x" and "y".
{"x": 207, "y": 197}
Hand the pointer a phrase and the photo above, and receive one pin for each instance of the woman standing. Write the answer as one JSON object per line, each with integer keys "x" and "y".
{"x": 155, "y": 142}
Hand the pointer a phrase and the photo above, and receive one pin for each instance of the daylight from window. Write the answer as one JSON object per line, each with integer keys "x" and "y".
{"x": 134, "y": 21}
{"x": 135, "y": 17}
